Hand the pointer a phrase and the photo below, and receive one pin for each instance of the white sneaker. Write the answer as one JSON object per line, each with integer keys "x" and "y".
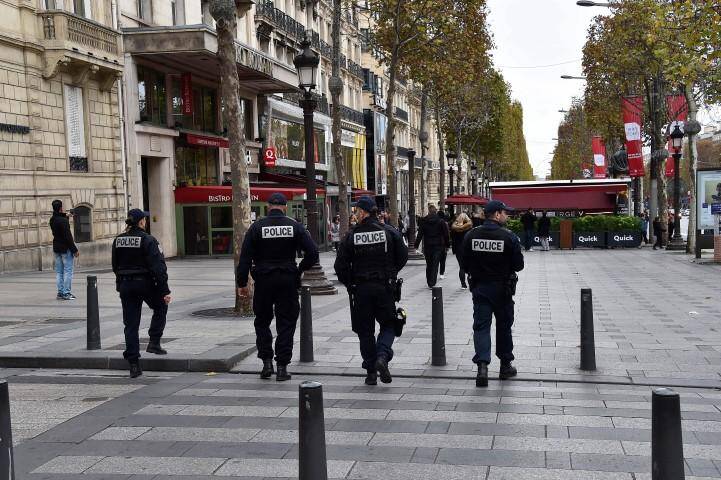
{"x": 441, "y": 277}
{"x": 530, "y": 249}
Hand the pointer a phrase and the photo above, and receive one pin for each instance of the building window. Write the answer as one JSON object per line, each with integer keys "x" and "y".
{"x": 207, "y": 17}
{"x": 204, "y": 114}
{"x": 151, "y": 96}
{"x": 288, "y": 138}
{"x": 145, "y": 10}
{"x": 82, "y": 223}
{"x": 173, "y": 12}
{"x": 82, "y": 8}
{"x": 196, "y": 165}
{"x": 50, "y": 5}
{"x": 75, "y": 128}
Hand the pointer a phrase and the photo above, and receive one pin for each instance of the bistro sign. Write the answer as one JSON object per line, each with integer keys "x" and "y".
{"x": 254, "y": 60}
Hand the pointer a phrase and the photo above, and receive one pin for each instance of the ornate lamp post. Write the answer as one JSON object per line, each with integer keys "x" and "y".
{"x": 450, "y": 156}
{"x": 676, "y": 242}
{"x": 306, "y": 63}
{"x": 459, "y": 164}
{"x": 412, "y": 253}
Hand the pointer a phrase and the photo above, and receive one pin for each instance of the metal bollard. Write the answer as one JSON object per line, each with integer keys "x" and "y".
{"x": 7, "y": 463}
{"x": 438, "y": 336}
{"x": 312, "y": 463}
{"x": 666, "y": 437}
{"x": 93, "y": 314}
{"x": 588, "y": 344}
{"x": 306, "y": 325}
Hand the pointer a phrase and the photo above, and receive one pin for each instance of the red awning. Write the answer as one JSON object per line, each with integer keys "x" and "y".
{"x": 587, "y": 198}
{"x": 465, "y": 200}
{"x": 224, "y": 194}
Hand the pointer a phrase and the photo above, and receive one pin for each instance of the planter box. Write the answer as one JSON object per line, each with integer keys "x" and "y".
{"x": 589, "y": 239}
{"x": 624, "y": 239}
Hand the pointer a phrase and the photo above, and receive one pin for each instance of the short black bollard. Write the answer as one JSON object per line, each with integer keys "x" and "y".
{"x": 93, "y": 314}
{"x": 306, "y": 326}
{"x": 666, "y": 437}
{"x": 7, "y": 463}
{"x": 312, "y": 463}
{"x": 438, "y": 336}
{"x": 588, "y": 344}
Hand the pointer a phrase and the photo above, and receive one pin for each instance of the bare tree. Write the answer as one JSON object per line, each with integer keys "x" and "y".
{"x": 335, "y": 85}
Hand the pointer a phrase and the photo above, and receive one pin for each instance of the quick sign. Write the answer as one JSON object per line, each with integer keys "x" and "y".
{"x": 483, "y": 245}
{"x": 369, "y": 238}
{"x": 552, "y": 240}
{"x": 269, "y": 157}
{"x": 624, "y": 239}
{"x": 279, "y": 231}
{"x": 127, "y": 242}
{"x": 589, "y": 239}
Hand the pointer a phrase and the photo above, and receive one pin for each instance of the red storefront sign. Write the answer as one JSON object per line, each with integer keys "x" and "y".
{"x": 632, "y": 108}
{"x": 224, "y": 194}
{"x": 186, "y": 87}
{"x": 599, "y": 157}
{"x": 677, "y": 111}
{"x": 204, "y": 141}
{"x": 269, "y": 157}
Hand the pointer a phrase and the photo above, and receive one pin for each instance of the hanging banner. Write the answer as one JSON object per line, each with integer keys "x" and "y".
{"x": 186, "y": 87}
{"x": 599, "y": 157}
{"x": 677, "y": 109}
{"x": 632, "y": 108}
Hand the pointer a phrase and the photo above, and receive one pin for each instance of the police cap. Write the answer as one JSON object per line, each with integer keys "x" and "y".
{"x": 277, "y": 198}
{"x": 366, "y": 203}
{"x": 136, "y": 214}
{"x": 497, "y": 206}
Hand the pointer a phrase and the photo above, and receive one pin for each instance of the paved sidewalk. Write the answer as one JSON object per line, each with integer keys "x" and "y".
{"x": 238, "y": 426}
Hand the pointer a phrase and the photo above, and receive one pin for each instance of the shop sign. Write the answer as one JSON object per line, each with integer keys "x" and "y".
{"x": 253, "y": 60}
{"x": 269, "y": 157}
{"x": 589, "y": 239}
{"x": 379, "y": 101}
{"x": 220, "y": 198}
{"x": 552, "y": 240}
{"x": 204, "y": 141}
{"x": 626, "y": 239}
{"x": 186, "y": 87}
{"x": 347, "y": 139}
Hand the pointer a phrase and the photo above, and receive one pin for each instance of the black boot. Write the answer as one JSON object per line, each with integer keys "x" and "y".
{"x": 154, "y": 347}
{"x": 382, "y": 368}
{"x": 267, "y": 368}
{"x": 135, "y": 370}
{"x": 507, "y": 371}
{"x": 482, "y": 376}
{"x": 371, "y": 377}
{"x": 282, "y": 374}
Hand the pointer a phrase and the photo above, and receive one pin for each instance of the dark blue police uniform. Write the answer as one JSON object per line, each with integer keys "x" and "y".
{"x": 368, "y": 259}
{"x": 268, "y": 254}
{"x": 491, "y": 254}
{"x": 141, "y": 276}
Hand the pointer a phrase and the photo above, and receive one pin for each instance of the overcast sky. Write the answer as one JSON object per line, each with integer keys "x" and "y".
{"x": 536, "y": 33}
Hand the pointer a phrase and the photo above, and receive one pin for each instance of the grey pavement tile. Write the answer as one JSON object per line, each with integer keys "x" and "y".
{"x": 251, "y": 467}
{"x": 497, "y": 429}
{"x": 610, "y": 463}
{"x": 412, "y": 471}
{"x": 562, "y": 420}
{"x": 125, "y": 448}
{"x": 332, "y": 437}
{"x": 432, "y": 440}
{"x": 701, "y": 467}
{"x": 235, "y": 450}
{"x": 195, "y": 434}
{"x": 603, "y": 433}
{"x": 351, "y": 425}
{"x": 423, "y": 415}
{"x": 172, "y": 421}
{"x": 120, "y": 433}
{"x": 425, "y": 455}
{"x": 558, "y": 445}
{"x": 69, "y": 464}
{"x": 157, "y": 465}
{"x": 513, "y": 473}
{"x": 510, "y": 458}
{"x": 558, "y": 460}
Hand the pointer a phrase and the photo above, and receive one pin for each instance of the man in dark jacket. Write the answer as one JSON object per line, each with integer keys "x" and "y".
{"x": 433, "y": 232}
{"x": 544, "y": 231}
{"x": 528, "y": 220}
{"x": 64, "y": 249}
{"x": 658, "y": 232}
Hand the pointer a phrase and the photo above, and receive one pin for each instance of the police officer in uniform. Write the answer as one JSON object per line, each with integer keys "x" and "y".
{"x": 268, "y": 254}
{"x": 368, "y": 262}
{"x": 141, "y": 276}
{"x": 492, "y": 256}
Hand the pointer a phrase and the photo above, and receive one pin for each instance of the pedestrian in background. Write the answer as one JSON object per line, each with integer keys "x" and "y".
{"x": 644, "y": 227}
{"x": 478, "y": 219}
{"x": 335, "y": 232}
{"x": 433, "y": 232}
{"x": 658, "y": 232}
{"x": 460, "y": 227}
{"x": 140, "y": 276}
{"x": 268, "y": 254}
{"x": 446, "y": 216}
{"x": 671, "y": 226}
{"x": 491, "y": 254}
{"x": 368, "y": 262}
{"x": 544, "y": 231}
{"x": 528, "y": 220}
{"x": 65, "y": 251}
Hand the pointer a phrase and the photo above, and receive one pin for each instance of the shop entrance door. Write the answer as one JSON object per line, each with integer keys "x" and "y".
{"x": 195, "y": 226}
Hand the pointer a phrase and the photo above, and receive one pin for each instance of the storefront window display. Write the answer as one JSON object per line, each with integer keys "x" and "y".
{"x": 288, "y": 138}
{"x": 151, "y": 96}
{"x": 196, "y": 165}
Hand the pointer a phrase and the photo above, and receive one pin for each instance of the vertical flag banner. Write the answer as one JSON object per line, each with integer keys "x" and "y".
{"x": 677, "y": 109}
{"x": 599, "y": 157}
{"x": 186, "y": 85}
{"x": 632, "y": 108}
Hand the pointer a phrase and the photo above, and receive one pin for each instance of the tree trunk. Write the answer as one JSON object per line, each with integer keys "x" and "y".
{"x": 336, "y": 88}
{"x": 224, "y": 13}
{"x": 422, "y": 128}
{"x": 441, "y": 161}
{"x": 692, "y": 162}
{"x": 392, "y": 207}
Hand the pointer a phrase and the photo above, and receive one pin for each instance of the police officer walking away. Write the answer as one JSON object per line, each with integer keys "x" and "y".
{"x": 268, "y": 254}
{"x": 141, "y": 276}
{"x": 368, "y": 263}
{"x": 492, "y": 256}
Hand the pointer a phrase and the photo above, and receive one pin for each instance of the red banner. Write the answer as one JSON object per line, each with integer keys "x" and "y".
{"x": 632, "y": 108}
{"x": 599, "y": 157}
{"x": 186, "y": 87}
{"x": 677, "y": 111}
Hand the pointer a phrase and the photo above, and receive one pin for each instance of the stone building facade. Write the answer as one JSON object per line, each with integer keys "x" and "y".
{"x": 60, "y": 132}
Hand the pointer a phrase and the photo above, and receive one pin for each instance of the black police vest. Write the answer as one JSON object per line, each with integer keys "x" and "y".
{"x": 130, "y": 248}
{"x": 490, "y": 254}
{"x": 276, "y": 242}
{"x": 372, "y": 251}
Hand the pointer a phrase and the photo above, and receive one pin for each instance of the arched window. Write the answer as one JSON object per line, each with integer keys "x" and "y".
{"x": 83, "y": 225}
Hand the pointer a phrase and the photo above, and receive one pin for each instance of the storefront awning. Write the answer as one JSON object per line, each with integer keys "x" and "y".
{"x": 224, "y": 194}
{"x": 466, "y": 200}
{"x": 587, "y": 198}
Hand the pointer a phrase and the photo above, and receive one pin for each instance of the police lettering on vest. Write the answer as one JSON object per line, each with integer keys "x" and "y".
{"x": 483, "y": 245}
{"x": 279, "y": 231}
{"x": 369, "y": 238}
{"x": 127, "y": 242}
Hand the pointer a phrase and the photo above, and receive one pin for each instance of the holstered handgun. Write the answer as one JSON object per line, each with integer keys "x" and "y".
{"x": 396, "y": 287}
{"x": 511, "y": 283}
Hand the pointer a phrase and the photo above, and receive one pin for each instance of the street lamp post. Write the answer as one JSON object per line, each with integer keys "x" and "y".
{"x": 450, "y": 156}
{"x": 412, "y": 253}
{"x": 306, "y": 63}
{"x": 676, "y": 242}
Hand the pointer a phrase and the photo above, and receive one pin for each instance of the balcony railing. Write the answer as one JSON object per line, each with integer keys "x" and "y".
{"x": 280, "y": 20}
{"x": 353, "y": 116}
{"x": 66, "y": 30}
{"x": 355, "y": 69}
{"x": 401, "y": 114}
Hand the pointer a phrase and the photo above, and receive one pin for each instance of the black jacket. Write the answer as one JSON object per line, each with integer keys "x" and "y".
{"x": 491, "y": 253}
{"x": 136, "y": 253}
{"x": 62, "y": 237}
{"x": 544, "y": 227}
{"x": 271, "y": 244}
{"x": 528, "y": 220}
{"x": 433, "y": 232}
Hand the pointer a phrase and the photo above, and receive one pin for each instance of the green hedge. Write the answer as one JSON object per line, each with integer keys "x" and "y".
{"x": 589, "y": 223}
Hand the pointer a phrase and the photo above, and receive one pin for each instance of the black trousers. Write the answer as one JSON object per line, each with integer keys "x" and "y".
{"x": 276, "y": 292}
{"x": 373, "y": 302}
{"x": 434, "y": 257}
{"x": 133, "y": 292}
{"x": 461, "y": 272}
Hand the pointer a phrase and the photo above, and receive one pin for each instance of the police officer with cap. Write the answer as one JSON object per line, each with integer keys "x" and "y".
{"x": 491, "y": 254}
{"x": 268, "y": 254}
{"x": 368, "y": 262}
{"x": 141, "y": 276}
